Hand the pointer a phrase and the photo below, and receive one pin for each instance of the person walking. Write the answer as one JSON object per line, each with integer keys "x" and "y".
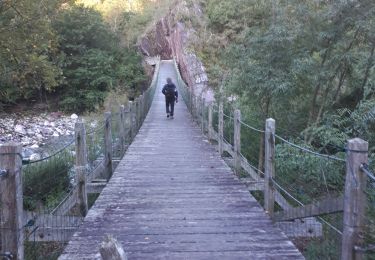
{"x": 171, "y": 95}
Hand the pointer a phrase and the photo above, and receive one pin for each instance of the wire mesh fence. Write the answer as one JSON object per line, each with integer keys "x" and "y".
{"x": 46, "y": 185}
{"x": 252, "y": 146}
{"x": 367, "y": 249}
{"x": 309, "y": 181}
{"x": 48, "y": 213}
{"x": 308, "y": 186}
{"x": 228, "y": 126}
{"x": 117, "y": 150}
{"x": 47, "y": 181}
{"x": 95, "y": 147}
{"x": 215, "y": 118}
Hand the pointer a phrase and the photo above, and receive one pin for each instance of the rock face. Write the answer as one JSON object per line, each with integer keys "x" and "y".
{"x": 170, "y": 38}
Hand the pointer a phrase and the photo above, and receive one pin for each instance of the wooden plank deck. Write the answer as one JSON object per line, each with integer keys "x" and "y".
{"x": 173, "y": 197}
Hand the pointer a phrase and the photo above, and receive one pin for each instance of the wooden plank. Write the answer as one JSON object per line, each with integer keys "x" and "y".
{"x": 221, "y": 128}
{"x": 269, "y": 167}
{"x": 253, "y": 185}
{"x": 202, "y": 107}
{"x": 210, "y": 121}
{"x": 49, "y": 228}
{"x": 108, "y": 145}
{"x": 137, "y": 114}
{"x": 50, "y": 234}
{"x": 237, "y": 140}
{"x": 127, "y": 124}
{"x": 172, "y": 195}
{"x": 64, "y": 207}
{"x": 122, "y": 122}
{"x": 131, "y": 120}
{"x": 49, "y": 220}
{"x": 80, "y": 167}
{"x": 250, "y": 170}
{"x": 11, "y": 200}
{"x": 326, "y": 206}
{"x": 308, "y": 227}
{"x": 97, "y": 172}
{"x": 96, "y": 187}
{"x": 227, "y": 147}
{"x": 354, "y": 199}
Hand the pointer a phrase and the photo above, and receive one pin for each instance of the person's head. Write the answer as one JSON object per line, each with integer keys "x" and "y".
{"x": 169, "y": 80}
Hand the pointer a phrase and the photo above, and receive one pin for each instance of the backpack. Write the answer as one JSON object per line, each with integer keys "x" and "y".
{"x": 169, "y": 91}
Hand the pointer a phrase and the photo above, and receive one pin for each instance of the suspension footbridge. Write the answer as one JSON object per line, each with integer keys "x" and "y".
{"x": 173, "y": 197}
{"x": 205, "y": 185}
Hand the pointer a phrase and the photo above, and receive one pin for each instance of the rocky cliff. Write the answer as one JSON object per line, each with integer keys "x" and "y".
{"x": 171, "y": 37}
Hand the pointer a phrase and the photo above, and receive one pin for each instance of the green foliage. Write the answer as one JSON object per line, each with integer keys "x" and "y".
{"x": 46, "y": 182}
{"x": 296, "y": 61}
{"x": 323, "y": 249}
{"x": 308, "y": 175}
{"x": 93, "y": 62}
{"x": 27, "y": 49}
{"x": 57, "y": 46}
{"x": 310, "y": 66}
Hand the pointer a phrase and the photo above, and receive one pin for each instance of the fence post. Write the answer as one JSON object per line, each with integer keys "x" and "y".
{"x": 132, "y": 120}
{"x": 122, "y": 128}
{"x": 269, "y": 166}
{"x": 202, "y": 112}
{"x": 354, "y": 198}
{"x": 196, "y": 107}
{"x": 81, "y": 164}
{"x": 237, "y": 140}
{"x": 11, "y": 193}
{"x": 108, "y": 145}
{"x": 221, "y": 127}
{"x": 141, "y": 103}
{"x": 191, "y": 101}
{"x": 210, "y": 121}
{"x": 127, "y": 123}
{"x": 136, "y": 115}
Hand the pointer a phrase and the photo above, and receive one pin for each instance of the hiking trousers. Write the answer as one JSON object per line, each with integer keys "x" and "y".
{"x": 169, "y": 103}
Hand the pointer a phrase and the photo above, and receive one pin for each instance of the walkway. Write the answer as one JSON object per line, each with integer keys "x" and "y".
{"x": 173, "y": 197}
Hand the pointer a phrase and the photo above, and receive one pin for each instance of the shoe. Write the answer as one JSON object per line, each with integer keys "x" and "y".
{"x": 168, "y": 115}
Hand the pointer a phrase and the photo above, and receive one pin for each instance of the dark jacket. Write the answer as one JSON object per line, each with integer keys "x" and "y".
{"x": 170, "y": 91}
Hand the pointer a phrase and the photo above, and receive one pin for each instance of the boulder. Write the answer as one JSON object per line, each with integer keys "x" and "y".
{"x": 34, "y": 157}
{"x": 20, "y": 129}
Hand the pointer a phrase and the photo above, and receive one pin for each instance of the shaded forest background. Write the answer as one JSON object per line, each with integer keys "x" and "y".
{"x": 71, "y": 54}
{"x": 308, "y": 64}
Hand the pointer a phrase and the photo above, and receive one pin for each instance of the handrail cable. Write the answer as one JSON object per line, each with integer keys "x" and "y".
{"x": 50, "y": 156}
{"x": 252, "y": 128}
{"x": 301, "y": 204}
{"x": 309, "y": 151}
